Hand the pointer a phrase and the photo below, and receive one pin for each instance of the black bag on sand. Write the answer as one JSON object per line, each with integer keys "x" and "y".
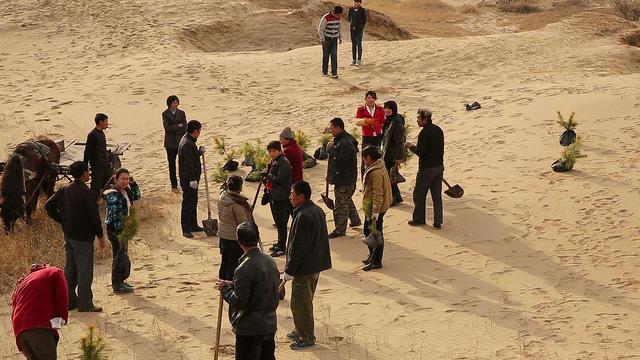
{"x": 395, "y": 176}
{"x": 473, "y": 106}
{"x": 374, "y": 239}
{"x": 321, "y": 154}
{"x": 561, "y": 166}
{"x": 121, "y": 267}
{"x": 567, "y": 138}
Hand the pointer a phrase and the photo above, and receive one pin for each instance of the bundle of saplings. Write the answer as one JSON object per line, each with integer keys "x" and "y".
{"x": 322, "y": 153}
{"x": 303, "y": 141}
{"x": 256, "y": 156}
{"x": 569, "y": 156}
{"x": 228, "y": 155}
{"x": 568, "y": 137}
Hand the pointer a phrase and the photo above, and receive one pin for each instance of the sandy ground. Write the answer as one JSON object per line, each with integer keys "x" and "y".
{"x": 529, "y": 263}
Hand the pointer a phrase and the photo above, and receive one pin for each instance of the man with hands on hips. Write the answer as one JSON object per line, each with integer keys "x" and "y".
{"x": 190, "y": 169}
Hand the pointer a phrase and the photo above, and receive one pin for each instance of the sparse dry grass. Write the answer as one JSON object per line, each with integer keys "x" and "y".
{"x": 469, "y": 9}
{"x": 628, "y": 9}
{"x": 631, "y": 38}
{"x": 519, "y": 6}
{"x": 43, "y": 242}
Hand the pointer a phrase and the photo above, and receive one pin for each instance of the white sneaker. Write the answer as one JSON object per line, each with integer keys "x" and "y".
{"x": 325, "y": 75}
{"x": 334, "y": 76}
{"x": 359, "y": 62}
{"x": 354, "y": 63}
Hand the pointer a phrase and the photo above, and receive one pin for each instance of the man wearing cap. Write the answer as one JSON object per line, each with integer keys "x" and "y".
{"x": 293, "y": 152}
{"x": 253, "y": 298}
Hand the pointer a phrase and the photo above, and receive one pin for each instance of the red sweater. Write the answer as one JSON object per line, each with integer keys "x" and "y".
{"x": 39, "y": 297}
{"x": 293, "y": 152}
{"x": 378, "y": 114}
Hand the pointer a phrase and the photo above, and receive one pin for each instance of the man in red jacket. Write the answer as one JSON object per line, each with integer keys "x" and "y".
{"x": 370, "y": 117}
{"x": 39, "y": 307}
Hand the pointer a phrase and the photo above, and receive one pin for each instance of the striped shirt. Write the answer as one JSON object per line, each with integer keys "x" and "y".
{"x": 329, "y": 27}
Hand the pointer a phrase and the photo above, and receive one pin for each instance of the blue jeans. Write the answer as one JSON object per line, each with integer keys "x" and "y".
{"x": 330, "y": 49}
{"x": 356, "y": 44}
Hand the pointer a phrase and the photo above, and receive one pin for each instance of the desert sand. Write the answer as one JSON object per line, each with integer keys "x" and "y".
{"x": 529, "y": 263}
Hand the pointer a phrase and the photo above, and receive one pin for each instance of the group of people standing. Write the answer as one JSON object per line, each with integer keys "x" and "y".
{"x": 330, "y": 35}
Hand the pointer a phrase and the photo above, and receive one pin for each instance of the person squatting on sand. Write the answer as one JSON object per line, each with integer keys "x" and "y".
{"x": 233, "y": 210}
{"x": 308, "y": 254}
{"x": 75, "y": 208}
{"x": 370, "y": 117}
{"x": 39, "y": 306}
{"x": 342, "y": 173}
{"x": 253, "y": 298}
{"x": 174, "y": 122}
{"x": 330, "y": 34}
{"x": 430, "y": 151}
{"x": 357, "y": 16}
{"x": 96, "y": 155}
{"x": 377, "y": 190}
{"x": 119, "y": 198}
{"x": 277, "y": 188}
{"x": 190, "y": 169}
{"x": 393, "y": 139}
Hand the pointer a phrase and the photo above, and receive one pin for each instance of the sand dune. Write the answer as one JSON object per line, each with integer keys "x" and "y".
{"x": 529, "y": 264}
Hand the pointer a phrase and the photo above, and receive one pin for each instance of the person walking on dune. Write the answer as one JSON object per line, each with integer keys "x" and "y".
{"x": 357, "y": 16}
{"x": 330, "y": 34}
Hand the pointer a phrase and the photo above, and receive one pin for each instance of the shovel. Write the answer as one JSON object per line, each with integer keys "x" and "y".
{"x": 253, "y": 206}
{"x": 454, "y": 191}
{"x": 219, "y": 325}
{"x": 210, "y": 225}
{"x": 325, "y": 197}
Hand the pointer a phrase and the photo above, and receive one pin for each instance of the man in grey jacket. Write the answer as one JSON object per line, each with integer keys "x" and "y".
{"x": 174, "y": 122}
{"x": 253, "y": 298}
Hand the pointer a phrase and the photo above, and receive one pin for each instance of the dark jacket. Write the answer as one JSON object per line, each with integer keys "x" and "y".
{"x": 393, "y": 138}
{"x": 280, "y": 178}
{"x": 189, "y": 160}
{"x": 254, "y": 297}
{"x": 308, "y": 249}
{"x": 117, "y": 206}
{"x": 343, "y": 161}
{"x": 75, "y": 207}
{"x": 430, "y": 147}
{"x": 357, "y": 18}
{"x": 95, "y": 149}
{"x": 172, "y": 132}
{"x": 293, "y": 152}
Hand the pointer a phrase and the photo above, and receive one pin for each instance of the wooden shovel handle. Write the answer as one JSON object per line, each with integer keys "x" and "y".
{"x": 220, "y": 306}
{"x": 446, "y": 183}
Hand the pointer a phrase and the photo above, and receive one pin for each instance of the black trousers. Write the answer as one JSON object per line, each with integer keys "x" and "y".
{"x": 356, "y": 44}
{"x": 280, "y": 213}
{"x": 330, "y": 51}
{"x": 38, "y": 344}
{"x": 376, "y": 252}
{"x": 395, "y": 190}
{"x": 369, "y": 141}
{"x": 171, "y": 159}
{"x": 256, "y": 347}
{"x": 429, "y": 179}
{"x": 99, "y": 178}
{"x": 114, "y": 239}
{"x": 189, "y": 211}
{"x": 78, "y": 271}
{"x": 231, "y": 253}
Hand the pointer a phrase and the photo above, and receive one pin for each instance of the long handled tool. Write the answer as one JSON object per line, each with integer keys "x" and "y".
{"x": 220, "y": 306}
{"x": 325, "y": 197}
{"x": 455, "y": 191}
{"x": 210, "y": 225}
{"x": 253, "y": 206}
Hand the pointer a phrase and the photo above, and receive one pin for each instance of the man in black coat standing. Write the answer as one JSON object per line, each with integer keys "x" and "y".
{"x": 343, "y": 174}
{"x": 190, "y": 171}
{"x": 430, "y": 151}
{"x": 357, "y": 16}
{"x": 96, "y": 155}
{"x": 174, "y": 121}
{"x": 308, "y": 254}
{"x": 76, "y": 209}
{"x": 253, "y": 298}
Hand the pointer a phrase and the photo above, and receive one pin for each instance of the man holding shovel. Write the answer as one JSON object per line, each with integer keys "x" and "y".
{"x": 430, "y": 151}
{"x": 308, "y": 254}
{"x": 253, "y": 298}
{"x": 190, "y": 171}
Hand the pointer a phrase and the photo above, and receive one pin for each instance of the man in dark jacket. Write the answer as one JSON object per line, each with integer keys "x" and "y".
{"x": 308, "y": 254}
{"x": 430, "y": 151}
{"x": 253, "y": 298}
{"x": 96, "y": 155}
{"x": 278, "y": 186}
{"x": 174, "y": 121}
{"x": 294, "y": 153}
{"x": 343, "y": 174}
{"x": 190, "y": 171}
{"x": 75, "y": 207}
{"x": 357, "y": 16}
{"x": 393, "y": 139}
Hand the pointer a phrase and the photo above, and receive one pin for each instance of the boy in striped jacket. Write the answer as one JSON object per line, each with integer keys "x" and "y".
{"x": 330, "y": 35}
